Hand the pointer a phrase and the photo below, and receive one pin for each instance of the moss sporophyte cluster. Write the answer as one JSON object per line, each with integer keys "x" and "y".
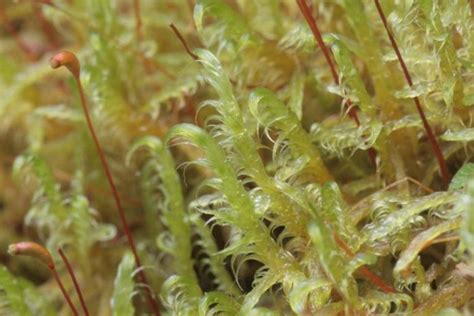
{"x": 236, "y": 157}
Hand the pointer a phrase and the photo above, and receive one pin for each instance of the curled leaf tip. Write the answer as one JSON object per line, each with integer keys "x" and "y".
{"x": 67, "y": 59}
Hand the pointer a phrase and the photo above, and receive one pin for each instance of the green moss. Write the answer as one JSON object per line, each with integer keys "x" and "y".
{"x": 276, "y": 208}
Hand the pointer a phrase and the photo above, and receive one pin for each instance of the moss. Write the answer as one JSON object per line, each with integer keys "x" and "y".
{"x": 262, "y": 168}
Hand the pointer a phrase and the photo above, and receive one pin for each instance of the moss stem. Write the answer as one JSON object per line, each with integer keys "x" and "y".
{"x": 429, "y": 132}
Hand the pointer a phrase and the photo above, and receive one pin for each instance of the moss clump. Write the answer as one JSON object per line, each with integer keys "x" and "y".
{"x": 260, "y": 172}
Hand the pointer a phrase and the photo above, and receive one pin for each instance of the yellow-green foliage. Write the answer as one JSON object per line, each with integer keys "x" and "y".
{"x": 247, "y": 186}
{"x": 124, "y": 287}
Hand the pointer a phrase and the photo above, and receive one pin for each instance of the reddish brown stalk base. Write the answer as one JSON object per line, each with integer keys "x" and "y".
{"x": 429, "y": 132}
{"x": 181, "y": 39}
{"x": 375, "y": 279}
{"x": 72, "y": 63}
{"x": 305, "y": 10}
{"x": 74, "y": 280}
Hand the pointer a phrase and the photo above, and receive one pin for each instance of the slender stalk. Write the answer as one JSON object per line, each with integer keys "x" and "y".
{"x": 327, "y": 55}
{"x": 181, "y": 39}
{"x": 74, "y": 280}
{"x": 32, "y": 249}
{"x": 429, "y": 132}
{"x": 63, "y": 290}
{"x": 305, "y": 10}
{"x": 70, "y": 61}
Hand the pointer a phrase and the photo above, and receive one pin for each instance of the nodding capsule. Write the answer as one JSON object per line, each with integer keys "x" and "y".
{"x": 32, "y": 249}
{"x": 67, "y": 59}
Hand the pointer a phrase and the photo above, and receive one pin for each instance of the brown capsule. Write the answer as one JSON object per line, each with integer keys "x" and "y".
{"x": 32, "y": 249}
{"x": 69, "y": 60}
